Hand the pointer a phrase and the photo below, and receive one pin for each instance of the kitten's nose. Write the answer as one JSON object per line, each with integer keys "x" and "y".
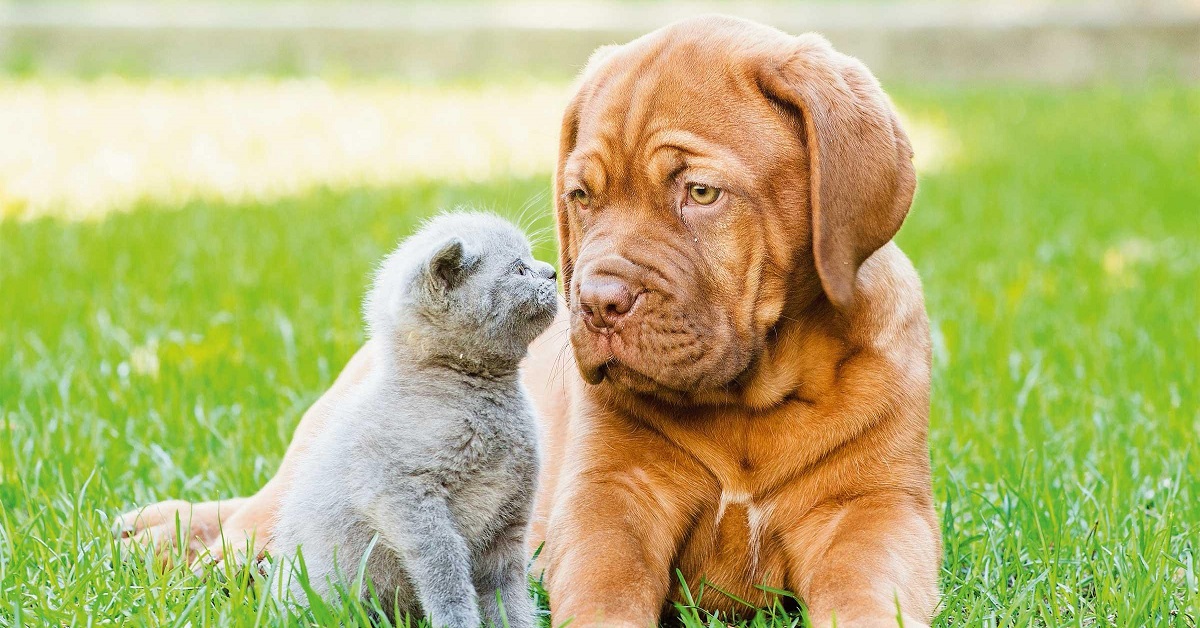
{"x": 545, "y": 271}
{"x": 604, "y": 301}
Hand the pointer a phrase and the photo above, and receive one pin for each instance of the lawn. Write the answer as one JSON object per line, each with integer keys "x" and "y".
{"x": 169, "y": 350}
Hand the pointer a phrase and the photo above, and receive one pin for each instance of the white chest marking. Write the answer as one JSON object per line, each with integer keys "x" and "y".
{"x": 757, "y": 517}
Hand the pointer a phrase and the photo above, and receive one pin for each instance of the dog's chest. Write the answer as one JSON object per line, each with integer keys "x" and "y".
{"x": 733, "y": 548}
{"x": 735, "y": 545}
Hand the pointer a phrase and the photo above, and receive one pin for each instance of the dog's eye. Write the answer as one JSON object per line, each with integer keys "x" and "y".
{"x": 704, "y": 194}
{"x": 581, "y": 197}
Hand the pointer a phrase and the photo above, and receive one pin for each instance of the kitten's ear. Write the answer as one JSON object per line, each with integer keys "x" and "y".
{"x": 449, "y": 265}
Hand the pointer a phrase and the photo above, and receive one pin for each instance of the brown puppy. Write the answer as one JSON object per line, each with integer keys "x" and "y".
{"x": 754, "y": 351}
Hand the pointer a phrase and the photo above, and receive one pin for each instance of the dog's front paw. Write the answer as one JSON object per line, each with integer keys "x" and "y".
{"x": 166, "y": 544}
{"x": 138, "y": 520}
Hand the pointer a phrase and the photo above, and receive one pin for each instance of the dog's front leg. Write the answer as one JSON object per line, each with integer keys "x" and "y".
{"x": 869, "y": 563}
{"x": 616, "y": 528}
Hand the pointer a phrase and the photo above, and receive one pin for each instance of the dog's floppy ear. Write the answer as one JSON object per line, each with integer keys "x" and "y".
{"x": 566, "y": 144}
{"x": 860, "y": 161}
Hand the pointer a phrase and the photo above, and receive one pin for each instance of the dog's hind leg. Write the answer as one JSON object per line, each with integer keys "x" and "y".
{"x": 212, "y": 525}
{"x": 170, "y": 524}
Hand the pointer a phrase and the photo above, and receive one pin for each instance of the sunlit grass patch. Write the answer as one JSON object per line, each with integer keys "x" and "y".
{"x": 82, "y": 149}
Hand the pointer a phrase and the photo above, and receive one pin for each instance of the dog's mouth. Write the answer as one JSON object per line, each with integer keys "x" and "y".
{"x": 622, "y": 375}
{"x": 594, "y": 355}
{"x": 606, "y": 357}
{"x": 594, "y": 375}
{"x": 630, "y": 378}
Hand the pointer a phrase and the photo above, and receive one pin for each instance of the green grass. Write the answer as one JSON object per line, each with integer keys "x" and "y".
{"x": 163, "y": 353}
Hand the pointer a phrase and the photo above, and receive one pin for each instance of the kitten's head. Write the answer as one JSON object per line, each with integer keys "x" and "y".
{"x": 465, "y": 286}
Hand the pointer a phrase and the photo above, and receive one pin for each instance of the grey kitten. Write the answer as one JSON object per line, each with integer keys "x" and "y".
{"x": 434, "y": 457}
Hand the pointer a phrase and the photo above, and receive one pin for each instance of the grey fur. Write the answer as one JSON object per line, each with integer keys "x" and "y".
{"x": 435, "y": 454}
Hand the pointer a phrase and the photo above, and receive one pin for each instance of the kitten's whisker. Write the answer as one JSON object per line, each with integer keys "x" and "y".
{"x": 529, "y": 205}
{"x": 559, "y": 368}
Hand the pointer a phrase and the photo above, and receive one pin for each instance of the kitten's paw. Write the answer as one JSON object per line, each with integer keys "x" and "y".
{"x": 522, "y": 620}
{"x": 465, "y": 616}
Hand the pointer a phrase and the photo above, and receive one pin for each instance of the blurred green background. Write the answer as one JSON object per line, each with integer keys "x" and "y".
{"x": 192, "y": 197}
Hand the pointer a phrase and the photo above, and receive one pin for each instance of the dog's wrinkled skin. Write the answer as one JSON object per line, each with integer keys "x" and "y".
{"x": 757, "y": 412}
{"x": 752, "y": 405}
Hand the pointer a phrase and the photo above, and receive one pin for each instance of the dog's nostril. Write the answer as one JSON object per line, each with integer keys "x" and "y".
{"x": 604, "y": 301}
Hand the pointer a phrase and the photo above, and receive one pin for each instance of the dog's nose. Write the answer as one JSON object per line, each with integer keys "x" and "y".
{"x": 604, "y": 301}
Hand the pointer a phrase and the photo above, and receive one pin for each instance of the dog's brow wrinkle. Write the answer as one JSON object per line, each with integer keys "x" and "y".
{"x": 639, "y": 110}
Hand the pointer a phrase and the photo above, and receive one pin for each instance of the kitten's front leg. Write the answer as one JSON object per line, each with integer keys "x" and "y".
{"x": 501, "y": 570}
{"x": 417, "y": 524}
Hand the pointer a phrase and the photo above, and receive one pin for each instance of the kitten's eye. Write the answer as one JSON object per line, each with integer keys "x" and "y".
{"x": 581, "y": 197}
{"x": 703, "y": 194}
{"x": 523, "y": 270}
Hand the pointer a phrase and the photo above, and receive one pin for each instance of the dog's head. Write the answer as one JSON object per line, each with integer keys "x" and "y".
{"x": 714, "y": 176}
